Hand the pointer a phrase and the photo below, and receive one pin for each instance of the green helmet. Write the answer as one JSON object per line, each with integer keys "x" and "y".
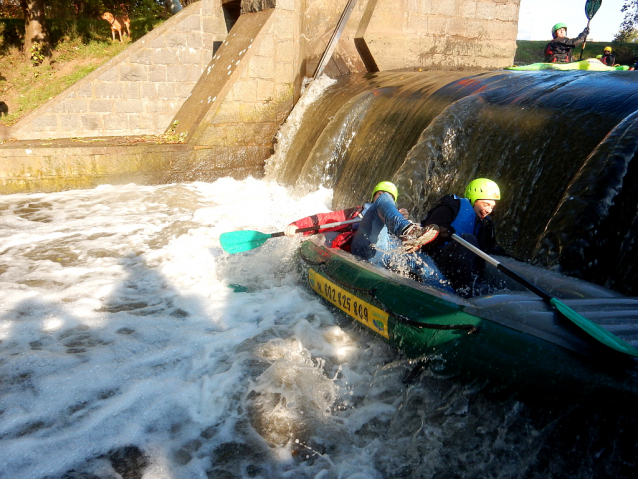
{"x": 386, "y": 186}
{"x": 558, "y": 26}
{"x": 482, "y": 189}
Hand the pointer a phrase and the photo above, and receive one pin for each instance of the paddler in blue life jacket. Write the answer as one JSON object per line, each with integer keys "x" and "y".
{"x": 559, "y": 50}
{"x": 384, "y": 236}
{"x": 468, "y": 218}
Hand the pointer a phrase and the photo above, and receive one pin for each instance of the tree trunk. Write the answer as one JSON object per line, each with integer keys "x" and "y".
{"x": 35, "y": 28}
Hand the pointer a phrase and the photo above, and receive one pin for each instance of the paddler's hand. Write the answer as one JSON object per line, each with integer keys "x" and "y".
{"x": 404, "y": 212}
{"x": 446, "y": 232}
{"x": 290, "y": 230}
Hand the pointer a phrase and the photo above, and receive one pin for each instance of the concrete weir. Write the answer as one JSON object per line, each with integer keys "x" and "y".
{"x": 203, "y": 95}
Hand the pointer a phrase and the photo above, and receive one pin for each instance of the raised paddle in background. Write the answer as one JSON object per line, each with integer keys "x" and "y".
{"x": 591, "y": 7}
{"x": 240, "y": 241}
{"x": 594, "y": 330}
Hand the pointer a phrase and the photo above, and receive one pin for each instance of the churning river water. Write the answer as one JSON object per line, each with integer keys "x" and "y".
{"x": 132, "y": 346}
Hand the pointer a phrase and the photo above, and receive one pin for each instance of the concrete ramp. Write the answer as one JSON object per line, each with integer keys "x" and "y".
{"x": 242, "y": 97}
{"x": 226, "y": 67}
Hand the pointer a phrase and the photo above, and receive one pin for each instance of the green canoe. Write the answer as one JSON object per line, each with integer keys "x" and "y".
{"x": 511, "y": 339}
{"x": 592, "y": 64}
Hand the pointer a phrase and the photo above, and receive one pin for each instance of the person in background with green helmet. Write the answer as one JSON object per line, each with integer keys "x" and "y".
{"x": 559, "y": 50}
{"x": 468, "y": 217}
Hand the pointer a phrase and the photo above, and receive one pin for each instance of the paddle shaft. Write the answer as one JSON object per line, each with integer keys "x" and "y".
{"x": 502, "y": 268}
{"x": 319, "y": 227}
{"x": 591, "y": 7}
{"x": 594, "y": 330}
{"x": 582, "y": 49}
{"x": 239, "y": 241}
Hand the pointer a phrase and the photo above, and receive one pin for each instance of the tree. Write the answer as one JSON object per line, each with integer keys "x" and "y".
{"x": 37, "y": 41}
{"x": 629, "y": 25}
{"x": 37, "y": 44}
{"x": 630, "y": 9}
{"x": 626, "y": 36}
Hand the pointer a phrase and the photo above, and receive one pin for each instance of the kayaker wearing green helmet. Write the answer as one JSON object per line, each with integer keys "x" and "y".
{"x": 347, "y": 232}
{"x": 384, "y": 236}
{"x": 468, "y": 217}
{"x": 559, "y": 50}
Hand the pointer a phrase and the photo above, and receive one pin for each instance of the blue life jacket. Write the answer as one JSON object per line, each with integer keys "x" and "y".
{"x": 465, "y": 221}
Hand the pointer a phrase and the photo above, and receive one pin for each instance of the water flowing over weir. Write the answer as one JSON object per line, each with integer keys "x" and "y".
{"x": 559, "y": 144}
{"x": 133, "y": 347}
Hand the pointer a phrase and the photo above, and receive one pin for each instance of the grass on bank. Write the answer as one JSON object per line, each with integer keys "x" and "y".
{"x": 528, "y": 52}
{"x": 79, "y": 47}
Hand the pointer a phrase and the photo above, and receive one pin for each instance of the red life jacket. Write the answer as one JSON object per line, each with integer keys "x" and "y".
{"x": 345, "y": 237}
{"x": 344, "y": 240}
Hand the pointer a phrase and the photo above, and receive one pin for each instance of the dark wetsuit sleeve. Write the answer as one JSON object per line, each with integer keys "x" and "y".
{"x": 487, "y": 236}
{"x": 571, "y": 42}
{"x": 442, "y": 215}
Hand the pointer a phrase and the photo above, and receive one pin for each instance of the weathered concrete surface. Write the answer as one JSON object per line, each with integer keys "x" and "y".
{"x": 58, "y": 165}
{"x": 443, "y": 33}
{"x": 139, "y": 91}
{"x": 27, "y": 167}
{"x": 223, "y": 74}
{"x": 244, "y": 95}
{"x": 413, "y": 34}
{"x": 231, "y": 113}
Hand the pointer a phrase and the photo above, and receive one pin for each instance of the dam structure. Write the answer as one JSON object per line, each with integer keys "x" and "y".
{"x": 203, "y": 95}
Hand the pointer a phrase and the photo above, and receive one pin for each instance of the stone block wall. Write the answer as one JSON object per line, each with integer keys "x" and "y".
{"x": 247, "y": 92}
{"x": 443, "y": 34}
{"x": 232, "y": 104}
{"x": 139, "y": 91}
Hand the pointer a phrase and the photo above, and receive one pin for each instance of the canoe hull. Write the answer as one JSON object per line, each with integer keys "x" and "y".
{"x": 462, "y": 337}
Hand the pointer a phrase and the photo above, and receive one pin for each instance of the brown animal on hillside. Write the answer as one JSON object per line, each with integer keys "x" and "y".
{"x": 118, "y": 24}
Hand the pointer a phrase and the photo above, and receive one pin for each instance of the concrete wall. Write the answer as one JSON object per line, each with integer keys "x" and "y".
{"x": 443, "y": 34}
{"x": 413, "y": 34}
{"x": 139, "y": 91}
{"x": 245, "y": 94}
{"x": 60, "y": 165}
{"x": 230, "y": 106}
